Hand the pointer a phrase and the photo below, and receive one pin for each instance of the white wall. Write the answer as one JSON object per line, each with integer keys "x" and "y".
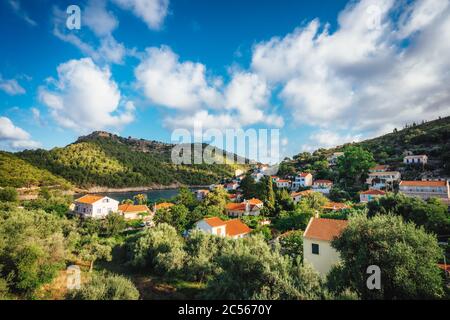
{"x": 326, "y": 258}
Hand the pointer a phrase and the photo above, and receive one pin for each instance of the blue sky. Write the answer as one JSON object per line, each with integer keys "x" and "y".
{"x": 323, "y": 72}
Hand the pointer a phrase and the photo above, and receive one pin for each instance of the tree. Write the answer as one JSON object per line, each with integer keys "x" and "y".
{"x": 292, "y": 244}
{"x": 218, "y": 197}
{"x": 114, "y": 224}
{"x": 105, "y": 286}
{"x": 160, "y": 248}
{"x": 8, "y": 194}
{"x": 140, "y": 198}
{"x": 92, "y": 248}
{"x": 186, "y": 198}
{"x": 267, "y": 194}
{"x": 406, "y": 255}
{"x": 313, "y": 200}
{"x": 354, "y": 165}
{"x": 249, "y": 187}
{"x": 176, "y": 216}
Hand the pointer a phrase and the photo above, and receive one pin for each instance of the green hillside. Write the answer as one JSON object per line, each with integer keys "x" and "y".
{"x": 103, "y": 159}
{"x": 15, "y": 172}
{"x": 431, "y": 138}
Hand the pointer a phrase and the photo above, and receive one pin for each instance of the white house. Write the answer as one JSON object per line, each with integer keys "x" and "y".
{"x": 302, "y": 180}
{"x": 95, "y": 206}
{"x": 282, "y": 183}
{"x": 201, "y": 194}
{"x": 425, "y": 189}
{"x": 379, "y": 180}
{"x": 132, "y": 211}
{"x": 322, "y": 186}
{"x": 379, "y": 168}
{"x": 234, "y": 228}
{"x": 317, "y": 249}
{"x": 297, "y": 196}
{"x": 332, "y": 160}
{"x": 257, "y": 176}
{"x": 416, "y": 159}
{"x": 231, "y": 186}
{"x": 369, "y": 195}
{"x": 250, "y": 207}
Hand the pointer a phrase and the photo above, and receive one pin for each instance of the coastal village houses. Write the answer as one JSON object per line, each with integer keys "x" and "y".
{"x": 425, "y": 189}
{"x": 281, "y": 183}
{"x": 332, "y": 160}
{"x": 369, "y": 195}
{"x": 302, "y": 180}
{"x": 160, "y": 206}
{"x": 201, "y": 194}
{"x": 297, "y": 196}
{"x": 322, "y": 186}
{"x": 416, "y": 159}
{"x": 382, "y": 179}
{"x": 232, "y": 228}
{"x": 250, "y": 207}
{"x": 95, "y": 206}
{"x": 317, "y": 249}
{"x": 379, "y": 168}
{"x": 132, "y": 211}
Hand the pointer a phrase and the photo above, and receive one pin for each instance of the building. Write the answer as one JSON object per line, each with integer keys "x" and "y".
{"x": 231, "y": 186}
{"x": 369, "y": 195}
{"x": 415, "y": 159}
{"x": 317, "y": 249}
{"x": 201, "y": 194}
{"x": 250, "y": 207}
{"x": 335, "y": 206}
{"x": 297, "y": 196}
{"x": 162, "y": 205}
{"x": 322, "y": 186}
{"x": 282, "y": 183}
{"x": 425, "y": 189}
{"x": 379, "y": 168}
{"x": 302, "y": 180}
{"x": 332, "y": 160}
{"x": 232, "y": 228}
{"x": 379, "y": 180}
{"x": 132, "y": 211}
{"x": 95, "y": 206}
{"x": 257, "y": 176}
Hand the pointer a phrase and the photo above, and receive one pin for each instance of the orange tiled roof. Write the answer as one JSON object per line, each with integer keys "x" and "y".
{"x": 304, "y": 174}
{"x": 323, "y": 181}
{"x": 324, "y": 229}
{"x": 335, "y": 206}
{"x": 89, "y": 198}
{"x": 301, "y": 193}
{"x": 236, "y": 227}
{"x": 235, "y": 206}
{"x": 214, "y": 221}
{"x": 423, "y": 183}
{"x": 380, "y": 167}
{"x": 374, "y": 192}
{"x": 133, "y": 208}
{"x": 163, "y": 205}
{"x": 284, "y": 180}
{"x": 255, "y": 201}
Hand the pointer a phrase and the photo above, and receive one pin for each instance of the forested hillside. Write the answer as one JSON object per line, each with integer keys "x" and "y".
{"x": 103, "y": 159}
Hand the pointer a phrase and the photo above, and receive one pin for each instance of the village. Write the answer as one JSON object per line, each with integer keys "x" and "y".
{"x": 327, "y": 222}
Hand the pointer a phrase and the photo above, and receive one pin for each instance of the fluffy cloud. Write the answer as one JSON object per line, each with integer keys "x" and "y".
{"x": 14, "y": 137}
{"x": 200, "y": 100}
{"x": 86, "y": 98}
{"x": 152, "y": 12}
{"x": 101, "y": 21}
{"x": 11, "y": 86}
{"x": 17, "y": 8}
{"x": 375, "y": 72}
{"x": 327, "y": 139}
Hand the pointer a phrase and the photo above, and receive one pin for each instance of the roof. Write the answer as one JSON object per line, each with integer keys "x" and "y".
{"x": 203, "y": 190}
{"x": 385, "y": 173}
{"x": 133, "y": 208}
{"x": 416, "y": 156}
{"x": 423, "y": 183}
{"x": 236, "y": 227}
{"x": 323, "y": 181}
{"x": 163, "y": 205}
{"x": 214, "y": 221}
{"x": 255, "y": 201}
{"x": 374, "y": 192}
{"x": 335, "y": 206}
{"x": 304, "y": 174}
{"x": 283, "y": 180}
{"x": 380, "y": 167}
{"x": 324, "y": 229}
{"x": 89, "y": 198}
{"x": 301, "y": 193}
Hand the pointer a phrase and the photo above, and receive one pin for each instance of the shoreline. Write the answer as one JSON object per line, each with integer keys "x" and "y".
{"x": 135, "y": 189}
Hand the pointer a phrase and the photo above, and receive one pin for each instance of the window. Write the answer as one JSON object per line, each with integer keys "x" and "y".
{"x": 315, "y": 248}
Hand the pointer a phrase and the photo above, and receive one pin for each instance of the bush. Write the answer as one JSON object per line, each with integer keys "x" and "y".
{"x": 8, "y": 194}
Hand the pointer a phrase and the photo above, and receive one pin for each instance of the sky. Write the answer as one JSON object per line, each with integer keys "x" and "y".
{"x": 321, "y": 72}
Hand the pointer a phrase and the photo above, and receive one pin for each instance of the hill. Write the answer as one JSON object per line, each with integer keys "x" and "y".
{"x": 431, "y": 138}
{"x": 107, "y": 160}
{"x": 15, "y": 172}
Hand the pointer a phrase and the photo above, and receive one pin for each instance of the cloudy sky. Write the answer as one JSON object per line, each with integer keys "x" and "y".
{"x": 323, "y": 72}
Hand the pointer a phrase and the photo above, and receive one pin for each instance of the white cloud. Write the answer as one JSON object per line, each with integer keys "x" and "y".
{"x": 17, "y": 8}
{"x": 101, "y": 21}
{"x": 11, "y": 86}
{"x": 364, "y": 75}
{"x": 86, "y": 98}
{"x": 327, "y": 139}
{"x": 14, "y": 137}
{"x": 152, "y": 12}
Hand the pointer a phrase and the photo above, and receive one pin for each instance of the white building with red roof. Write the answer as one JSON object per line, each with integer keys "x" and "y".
{"x": 416, "y": 159}
{"x": 250, "y": 207}
{"x": 317, "y": 249}
{"x": 425, "y": 189}
{"x": 95, "y": 206}
{"x": 369, "y": 195}
{"x": 302, "y": 180}
{"x": 234, "y": 228}
{"x": 322, "y": 186}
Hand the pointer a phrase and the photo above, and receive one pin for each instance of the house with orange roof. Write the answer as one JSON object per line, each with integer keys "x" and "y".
{"x": 162, "y": 205}
{"x": 297, "y": 196}
{"x": 369, "y": 195}
{"x": 132, "y": 211}
{"x": 234, "y": 228}
{"x": 302, "y": 180}
{"x": 201, "y": 194}
{"x": 283, "y": 183}
{"x": 322, "y": 186}
{"x": 317, "y": 249}
{"x": 335, "y": 206}
{"x": 425, "y": 189}
{"x": 250, "y": 207}
{"x": 379, "y": 168}
{"x": 95, "y": 206}
{"x": 381, "y": 179}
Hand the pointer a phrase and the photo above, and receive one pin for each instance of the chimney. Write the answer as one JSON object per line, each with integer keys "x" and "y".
{"x": 247, "y": 206}
{"x": 316, "y": 215}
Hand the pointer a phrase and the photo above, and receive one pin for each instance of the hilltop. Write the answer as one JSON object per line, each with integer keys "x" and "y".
{"x": 102, "y": 159}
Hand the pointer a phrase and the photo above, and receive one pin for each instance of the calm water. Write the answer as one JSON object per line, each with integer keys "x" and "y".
{"x": 152, "y": 195}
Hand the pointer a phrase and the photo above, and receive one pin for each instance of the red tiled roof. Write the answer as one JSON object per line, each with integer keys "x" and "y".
{"x": 133, "y": 208}
{"x": 163, "y": 205}
{"x": 255, "y": 201}
{"x": 323, "y": 181}
{"x": 214, "y": 221}
{"x": 235, "y": 206}
{"x": 304, "y": 174}
{"x": 89, "y": 198}
{"x": 374, "y": 192}
{"x": 236, "y": 227}
{"x": 324, "y": 229}
{"x": 335, "y": 206}
{"x": 301, "y": 193}
{"x": 423, "y": 183}
{"x": 380, "y": 167}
